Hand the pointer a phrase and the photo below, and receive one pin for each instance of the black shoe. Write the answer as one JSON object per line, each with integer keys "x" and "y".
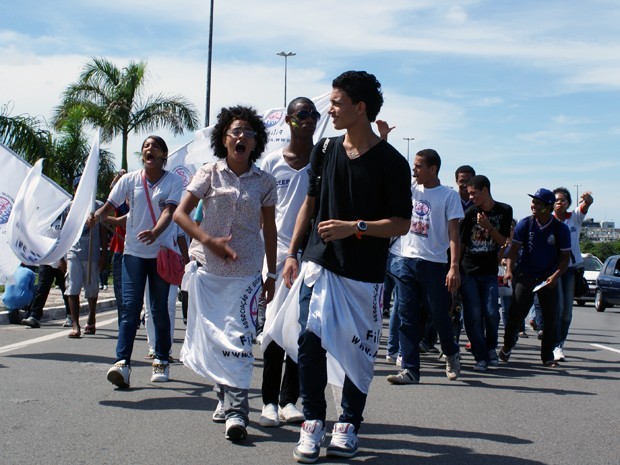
{"x": 14, "y": 317}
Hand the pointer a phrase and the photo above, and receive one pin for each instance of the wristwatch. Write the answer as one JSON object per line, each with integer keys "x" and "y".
{"x": 273, "y": 276}
{"x": 361, "y": 228}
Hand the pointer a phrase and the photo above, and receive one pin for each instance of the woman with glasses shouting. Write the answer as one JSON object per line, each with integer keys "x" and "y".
{"x": 224, "y": 281}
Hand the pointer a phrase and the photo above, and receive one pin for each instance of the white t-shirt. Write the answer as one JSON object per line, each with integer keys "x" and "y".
{"x": 292, "y": 188}
{"x": 167, "y": 190}
{"x": 428, "y": 235}
{"x": 573, "y": 220}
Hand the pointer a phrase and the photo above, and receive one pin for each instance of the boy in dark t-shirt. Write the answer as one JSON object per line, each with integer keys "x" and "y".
{"x": 483, "y": 231}
{"x": 545, "y": 244}
{"x": 359, "y": 197}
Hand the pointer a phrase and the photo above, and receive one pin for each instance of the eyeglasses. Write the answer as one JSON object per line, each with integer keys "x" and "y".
{"x": 305, "y": 114}
{"x": 238, "y": 131}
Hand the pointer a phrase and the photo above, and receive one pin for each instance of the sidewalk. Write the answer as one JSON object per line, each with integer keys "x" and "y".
{"x": 55, "y": 307}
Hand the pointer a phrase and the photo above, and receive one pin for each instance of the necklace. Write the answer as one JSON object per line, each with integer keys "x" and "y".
{"x": 353, "y": 154}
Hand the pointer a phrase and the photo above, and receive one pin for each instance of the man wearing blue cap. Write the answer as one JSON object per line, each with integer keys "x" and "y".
{"x": 546, "y": 252}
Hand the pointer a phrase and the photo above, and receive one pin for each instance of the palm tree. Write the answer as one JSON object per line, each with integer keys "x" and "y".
{"x": 70, "y": 150}
{"x": 65, "y": 154}
{"x": 24, "y": 135}
{"x": 112, "y": 99}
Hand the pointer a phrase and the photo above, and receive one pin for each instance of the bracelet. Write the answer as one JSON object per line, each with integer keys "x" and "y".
{"x": 291, "y": 255}
{"x": 273, "y": 276}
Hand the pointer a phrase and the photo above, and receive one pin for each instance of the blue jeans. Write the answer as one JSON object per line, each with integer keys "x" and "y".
{"x": 420, "y": 282}
{"x": 117, "y": 281}
{"x": 393, "y": 342}
{"x": 136, "y": 270}
{"x": 566, "y": 290}
{"x": 480, "y": 313}
{"x": 312, "y": 363}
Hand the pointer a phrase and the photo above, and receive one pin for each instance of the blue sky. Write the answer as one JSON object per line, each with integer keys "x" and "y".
{"x": 527, "y": 92}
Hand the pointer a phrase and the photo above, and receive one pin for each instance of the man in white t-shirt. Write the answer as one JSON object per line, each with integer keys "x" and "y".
{"x": 419, "y": 260}
{"x": 289, "y": 165}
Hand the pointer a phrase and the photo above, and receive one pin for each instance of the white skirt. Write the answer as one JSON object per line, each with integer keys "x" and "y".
{"x": 221, "y": 323}
{"x": 346, "y": 315}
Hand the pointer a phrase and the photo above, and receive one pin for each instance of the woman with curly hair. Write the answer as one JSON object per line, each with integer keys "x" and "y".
{"x": 224, "y": 281}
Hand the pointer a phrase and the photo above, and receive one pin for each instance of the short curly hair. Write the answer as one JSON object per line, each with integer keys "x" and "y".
{"x": 361, "y": 86}
{"x": 225, "y": 119}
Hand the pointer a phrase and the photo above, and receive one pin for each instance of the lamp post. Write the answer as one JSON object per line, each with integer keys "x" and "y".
{"x": 285, "y": 55}
{"x": 577, "y": 198}
{"x": 408, "y": 139}
{"x": 208, "y": 100}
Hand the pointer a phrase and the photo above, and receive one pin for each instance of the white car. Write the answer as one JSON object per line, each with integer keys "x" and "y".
{"x": 592, "y": 268}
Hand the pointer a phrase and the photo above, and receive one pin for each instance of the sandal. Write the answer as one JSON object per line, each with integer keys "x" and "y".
{"x": 90, "y": 329}
{"x": 75, "y": 334}
{"x": 552, "y": 364}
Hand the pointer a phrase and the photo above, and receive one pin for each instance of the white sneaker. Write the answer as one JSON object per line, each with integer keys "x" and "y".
{"x": 219, "y": 414}
{"x": 290, "y": 414}
{"x": 269, "y": 417}
{"x": 119, "y": 374}
{"x": 310, "y": 439}
{"x": 558, "y": 354}
{"x": 161, "y": 371}
{"x": 453, "y": 366}
{"x": 399, "y": 361}
{"x": 235, "y": 429}
{"x": 344, "y": 441}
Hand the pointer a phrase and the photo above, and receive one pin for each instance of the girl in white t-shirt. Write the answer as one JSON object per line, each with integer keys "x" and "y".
{"x": 143, "y": 239}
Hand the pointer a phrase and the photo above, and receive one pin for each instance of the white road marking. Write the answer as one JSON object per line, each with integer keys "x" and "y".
{"x": 600, "y": 346}
{"x": 49, "y": 337}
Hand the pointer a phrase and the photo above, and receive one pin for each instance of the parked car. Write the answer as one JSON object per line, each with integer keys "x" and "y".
{"x": 608, "y": 284}
{"x": 592, "y": 267}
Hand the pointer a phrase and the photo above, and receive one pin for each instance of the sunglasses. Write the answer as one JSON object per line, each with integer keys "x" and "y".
{"x": 237, "y": 132}
{"x": 305, "y": 114}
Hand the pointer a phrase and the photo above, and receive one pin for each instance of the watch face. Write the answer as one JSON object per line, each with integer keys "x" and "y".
{"x": 362, "y": 226}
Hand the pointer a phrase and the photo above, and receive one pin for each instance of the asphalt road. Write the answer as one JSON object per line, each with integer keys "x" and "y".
{"x": 56, "y": 406}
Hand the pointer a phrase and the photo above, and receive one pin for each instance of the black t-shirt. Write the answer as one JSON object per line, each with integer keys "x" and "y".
{"x": 480, "y": 251}
{"x": 375, "y": 186}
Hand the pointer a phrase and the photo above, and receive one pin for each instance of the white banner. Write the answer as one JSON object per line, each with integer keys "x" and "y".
{"x": 51, "y": 200}
{"x": 199, "y": 150}
{"x": 28, "y": 222}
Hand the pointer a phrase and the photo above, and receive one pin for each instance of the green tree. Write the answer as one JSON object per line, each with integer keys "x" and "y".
{"x": 65, "y": 153}
{"x": 24, "y": 135}
{"x": 71, "y": 150}
{"x": 113, "y": 99}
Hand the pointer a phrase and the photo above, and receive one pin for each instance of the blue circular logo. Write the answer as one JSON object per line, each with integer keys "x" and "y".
{"x": 6, "y": 205}
{"x": 273, "y": 117}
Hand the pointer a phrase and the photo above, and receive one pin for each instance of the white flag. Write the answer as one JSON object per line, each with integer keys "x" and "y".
{"x": 50, "y": 201}
{"x": 28, "y": 223}
{"x": 177, "y": 164}
{"x": 199, "y": 151}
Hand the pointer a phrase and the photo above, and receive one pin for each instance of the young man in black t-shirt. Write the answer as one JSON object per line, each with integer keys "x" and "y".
{"x": 484, "y": 231}
{"x": 359, "y": 197}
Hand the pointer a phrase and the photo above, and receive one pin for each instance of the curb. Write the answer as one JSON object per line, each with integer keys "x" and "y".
{"x": 58, "y": 313}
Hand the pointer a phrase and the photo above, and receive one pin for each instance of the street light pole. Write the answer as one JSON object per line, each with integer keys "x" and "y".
{"x": 408, "y": 139}
{"x": 208, "y": 101}
{"x": 285, "y": 55}
{"x": 577, "y": 199}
